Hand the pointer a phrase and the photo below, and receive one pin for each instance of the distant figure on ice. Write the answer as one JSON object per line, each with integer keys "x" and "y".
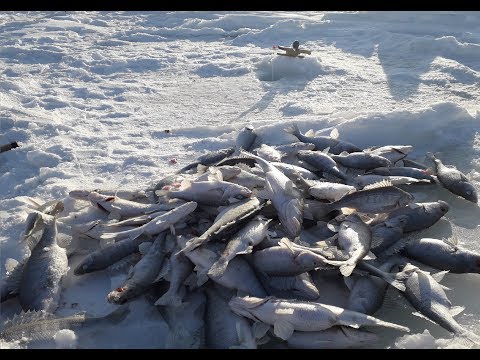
{"x": 294, "y": 51}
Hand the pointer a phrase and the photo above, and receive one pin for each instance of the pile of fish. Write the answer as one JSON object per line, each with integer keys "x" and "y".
{"x": 237, "y": 250}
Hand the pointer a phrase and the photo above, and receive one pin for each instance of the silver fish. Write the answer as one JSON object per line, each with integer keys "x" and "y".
{"x": 329, "y": 191}
{"x": 379, "y": 198}
{"x": 385, "y": 234}
{"x": 213, "y": 193}
{"x": 404, "y": 171}
{"x": 156, "y": 225}
{"x": 43, "y": 272}
{"x": 454, "y": 180}
{"x": 242, "y": 243}
{"x": 285, "y": 196}
{"x": 286, "y": 260}
{"x": 292, "y": 171}
{"x": 210, "y": 158}
{"x": 364, "y": 180}
{"x": 180, "y": 269}
{"x": 268, "y": 153}
{"x": 142, "y": 275}
{"x": 108, "y": 255}
{"x": 368, "y": 292}
{"x": 427, "y": 296}
{"x": 322, "y": 142}
{"x": 361, "y": 160}
{"x": 443, "y": 255}
{"x": 355, "y": 237}
{"x": 322, "y": 162}
{"x": 227, "y": 222}
{"x": 121, "y": 208}
{"x": 419, "y": 215}
{"x": 247, "y": 179}
{"x": 130, "y": 195}
{"x": 393, "y": 153}
{"x": 238, "y": 274}
{"x": 286, "y": 316}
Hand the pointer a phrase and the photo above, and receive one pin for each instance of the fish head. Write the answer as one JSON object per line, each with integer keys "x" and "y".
{"x": 309, "y": 260}
{"x": 405, "y": 199}
{"x": 119, "y": 296}
{"x": 241, "y": 305}
{"x": 443, "y": 206}
{"x": 468, "y": 191}
{"x": 84, "y": 266}
{"x": 79, "y": 194}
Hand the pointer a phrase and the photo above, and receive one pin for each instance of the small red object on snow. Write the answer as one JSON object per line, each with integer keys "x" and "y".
{"x": 275, "y": 47}
{"x": 173, "y": 161}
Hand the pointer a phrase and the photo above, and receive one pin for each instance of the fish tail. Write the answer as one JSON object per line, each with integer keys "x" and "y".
{"x": 191, "y": 245}
{"x": 116, "y": 315}
{"x": 293, "y": 129}
{"x": 466, "y": 339}
{"x": 170, "y": 298}
{"x": 393, "y": 325}
{"x": 218, "y": 268}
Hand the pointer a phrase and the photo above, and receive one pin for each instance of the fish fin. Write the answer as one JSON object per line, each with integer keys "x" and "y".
{"x": 310, "y": 133}
{"x": 218, "y": 268}
{"x": 172, "y": 229}
{"x": 118, "y": 314}
{"x": 11, "y": 264}
{"x": 347, "y": 269}
{"x": 455, "y": 310}
{"x": 445, "y": 288}
{"x": 166, "y": 267}
{"x": 369, "y": 256}
{"x": 453, "y": 241}
{"x": 326, "y": 150}
{"x": 286, "y": 243}
{"x": 201, "y": 279}
{"x": 144, "y": 247}
{"x": 263, "y": 340}
{"x": 191, "y": 281}
{"x": 439, "y": 275}
{"x": 347, "y": 210}
{"x": 260, "y": 329}
{"x": 420, "y": 315}
{"x": 343, "y": 153}
{"x": 333, "y": 227}
{"x": 262, "y": 194}
{"x": 380, "y": 184}
{"x": 115, "y": 215}
{"x": 334, "y": 134}
{"x": 283, "y": 329}
{"x": 350, "y": 282}
{"x": 248, "y": 250}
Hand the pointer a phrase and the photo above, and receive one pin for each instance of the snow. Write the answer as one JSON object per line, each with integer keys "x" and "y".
{"x": 88, "y": 95}
{"x": 65, "y": 339}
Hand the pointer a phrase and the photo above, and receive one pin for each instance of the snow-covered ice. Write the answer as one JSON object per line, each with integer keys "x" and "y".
{"x": 88, "y": 97}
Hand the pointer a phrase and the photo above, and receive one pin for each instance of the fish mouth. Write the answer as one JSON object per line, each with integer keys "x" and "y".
{"x": 117, "y": 296}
